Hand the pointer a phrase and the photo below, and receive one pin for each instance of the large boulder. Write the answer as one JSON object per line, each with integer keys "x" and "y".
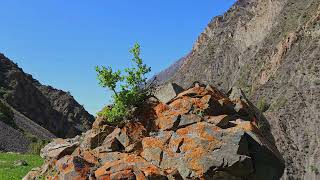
{"x": 59, "y": 148}
{"x": 95, "y": 137}
{"x": 198, "y": 134}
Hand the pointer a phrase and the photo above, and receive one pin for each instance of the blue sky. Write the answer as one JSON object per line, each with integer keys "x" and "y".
{"x": 60, "y": 41}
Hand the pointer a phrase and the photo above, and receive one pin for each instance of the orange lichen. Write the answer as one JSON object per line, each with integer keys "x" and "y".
{"x": 100, "y": 172}
{"x": 193, "y": 158}
{"x": 150, "y": 142}
{"x": 183, "y": 131}
{"x": 89, "y": 157}
{"x": 104, "y": 177}
{"x": 125, "y": 174}
{"x": 160, "y": 108}
{"x": 164, "y": 122}
{"x": 133, "y": 159}
{"x": 246, "y": 126}
{"x": 150, "y": 170}
{"x": 135, "y": 130}
{"x": 200, "y": 91}
{"x": 182, "y": 105}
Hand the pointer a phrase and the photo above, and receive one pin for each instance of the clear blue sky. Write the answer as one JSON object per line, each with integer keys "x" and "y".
{"x": 60, "y": 41}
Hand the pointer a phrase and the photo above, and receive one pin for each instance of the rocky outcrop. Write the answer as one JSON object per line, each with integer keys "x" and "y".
{"x": 199, "y": 134}
{"x": 270, "y": 49}
{"x": 53, "y": 109}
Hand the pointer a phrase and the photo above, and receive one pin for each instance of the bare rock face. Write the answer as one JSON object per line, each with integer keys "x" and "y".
{"x": 55, "y": 110}
{"x": 167, "y": 92}
{"x": 199, "y": 134}
{"x": 270, "y": 49}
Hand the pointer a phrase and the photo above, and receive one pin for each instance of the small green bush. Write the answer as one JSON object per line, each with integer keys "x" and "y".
{"x": 262, "y": 105}
{"x": 128, "y": 88}
{"x": 36, "y": 144}
{"x": 6, "y": 115}
{"x": 314, "y": 169}
{"x": 35, "y": 147}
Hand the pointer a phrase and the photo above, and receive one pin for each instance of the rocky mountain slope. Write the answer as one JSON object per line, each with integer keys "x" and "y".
{"x": 162, "y": 76}
{"x": 19, "y": 134}
{"x": 36, "y": 105}
{"x": 271, "y": 49}
{"x": 200, "y": 133}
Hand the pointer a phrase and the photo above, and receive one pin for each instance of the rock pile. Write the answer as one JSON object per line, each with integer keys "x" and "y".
{"x": 198, "y": 134}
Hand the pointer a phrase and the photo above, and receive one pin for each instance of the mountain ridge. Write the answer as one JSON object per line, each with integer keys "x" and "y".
{"x": 54, "y": 110}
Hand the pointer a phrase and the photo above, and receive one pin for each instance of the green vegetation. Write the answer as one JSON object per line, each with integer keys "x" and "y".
{"x": 278, "y": 103}
{"x": 263, "y": 126}
{"x": 314, "y": 169}
{"x": 9, "y": 171}
{"x": 131, "y": 85}
{"x": 6, "y": 115}
{"x": 36, "y": 144}
{"x": 262, "y": 105}
{"x": 200, "y": 112}
{"x": 35, "y": 147}
{"x": 243, "y": 82}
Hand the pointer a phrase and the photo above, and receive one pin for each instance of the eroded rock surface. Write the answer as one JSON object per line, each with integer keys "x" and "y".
{"x": 198, "y": 134}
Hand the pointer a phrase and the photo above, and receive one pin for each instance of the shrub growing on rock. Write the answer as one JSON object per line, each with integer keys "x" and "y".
{"x": 129, "y": 88}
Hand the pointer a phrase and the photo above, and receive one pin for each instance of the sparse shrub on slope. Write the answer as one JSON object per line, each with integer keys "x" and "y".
{"x": 129, "y": 88}
{"x": 36, "y": 144}
{"x": 262, "y": 105}
{"x": 6, "y": 115}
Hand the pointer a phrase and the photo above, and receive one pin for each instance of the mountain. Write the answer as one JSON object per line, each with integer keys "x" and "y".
{"x": 39, "y": 110}
{"x": 162, "y": 76}
{"x": 270, "y": 49}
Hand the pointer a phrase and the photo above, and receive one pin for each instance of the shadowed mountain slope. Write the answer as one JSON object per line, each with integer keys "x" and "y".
{"x": 37, "y": 105}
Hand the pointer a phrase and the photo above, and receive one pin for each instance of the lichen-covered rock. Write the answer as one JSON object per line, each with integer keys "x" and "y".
{"x": 59, "y": 148}
{"x": 94, "y": 137}
{"x": 72, "y": 167}
{"x": 199, "y": 134}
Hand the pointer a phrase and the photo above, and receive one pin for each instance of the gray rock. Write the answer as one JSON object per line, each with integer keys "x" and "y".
{"x": 239, "y": 154}
{"x": 167, "y": 92}
{"x": 59, "y": 148}
{"x": 95, "y": 137}
{"x": 188, "y": 119}
{"x": 221, "y": 121}
{"x": 20, "y": 163}
{"x": 32, "y": 175}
